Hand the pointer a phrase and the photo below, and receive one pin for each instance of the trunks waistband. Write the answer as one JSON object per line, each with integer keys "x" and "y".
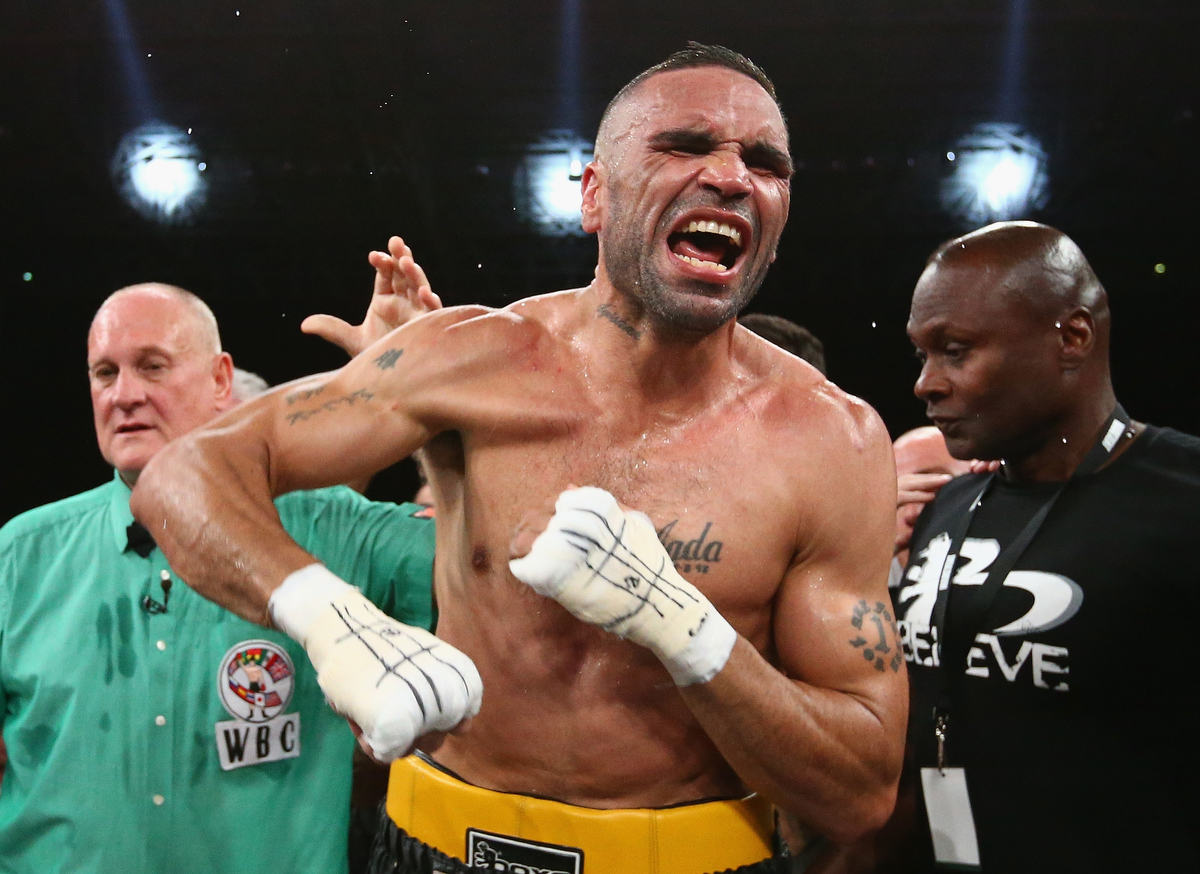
{"x": 473, "y": 824}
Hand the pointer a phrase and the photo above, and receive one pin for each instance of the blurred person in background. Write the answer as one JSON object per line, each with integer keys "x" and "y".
{"x": 787, "y": 335}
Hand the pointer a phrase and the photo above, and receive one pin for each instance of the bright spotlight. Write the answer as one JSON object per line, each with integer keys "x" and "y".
{"x": 999, "y": 174}
{"x": 158, "y": 171}
{"x": 547, "y": 184}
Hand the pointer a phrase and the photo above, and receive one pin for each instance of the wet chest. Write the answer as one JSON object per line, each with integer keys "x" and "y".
{"x": 712, "y": 490}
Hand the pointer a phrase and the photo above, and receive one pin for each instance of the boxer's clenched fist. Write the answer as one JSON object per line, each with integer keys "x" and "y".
{"x": 607, "y": 567}
{"x": 396, "y": 682}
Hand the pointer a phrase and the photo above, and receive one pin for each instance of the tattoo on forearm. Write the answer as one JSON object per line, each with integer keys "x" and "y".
{"x": 304, "y": 394}
{"x": 329, "y": 406}
{"x": 878, "y": 623}
{"x": 388, "y": 359}
{"x": 605, "y": 311}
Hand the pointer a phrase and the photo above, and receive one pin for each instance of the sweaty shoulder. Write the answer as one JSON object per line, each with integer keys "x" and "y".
{"x": 465, "y": 366}
{"x": 476, "y": 334}
{"x": 796, "y": 398}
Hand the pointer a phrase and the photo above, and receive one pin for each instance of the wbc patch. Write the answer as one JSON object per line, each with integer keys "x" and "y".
{"x": 493, "y": 852}
{"x": 255, "y": 683}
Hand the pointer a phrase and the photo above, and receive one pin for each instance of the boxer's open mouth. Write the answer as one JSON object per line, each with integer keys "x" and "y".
{"x": 132, "y": 428}
{"x": 709, "y": 244}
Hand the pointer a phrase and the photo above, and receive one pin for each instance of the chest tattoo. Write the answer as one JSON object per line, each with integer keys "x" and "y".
{"x": 694, "y": 554}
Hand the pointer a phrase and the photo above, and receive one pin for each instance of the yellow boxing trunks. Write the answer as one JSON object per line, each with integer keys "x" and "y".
{"x": 498, "y": 830}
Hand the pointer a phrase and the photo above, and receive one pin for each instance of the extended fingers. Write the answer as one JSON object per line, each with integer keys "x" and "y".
{"x": 420, "y": 294}
{"x": 398, "y": 247}
{"x": 919, "y": 487}
{"x": 331, "y": 328}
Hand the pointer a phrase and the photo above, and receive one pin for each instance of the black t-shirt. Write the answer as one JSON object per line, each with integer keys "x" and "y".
{"x": 1074, "y": 718}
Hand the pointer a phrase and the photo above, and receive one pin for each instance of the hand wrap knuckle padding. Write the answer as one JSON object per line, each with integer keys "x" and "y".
{"x": 395, "y": 681}
{"x": 607, "y": 567}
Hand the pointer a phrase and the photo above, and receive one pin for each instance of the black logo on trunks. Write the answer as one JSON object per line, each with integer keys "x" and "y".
{"x": 493, "y": 852}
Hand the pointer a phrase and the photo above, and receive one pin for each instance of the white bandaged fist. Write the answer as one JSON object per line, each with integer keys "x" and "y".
{"x": 395, "y": 681}
{"x": 608, "y": 568}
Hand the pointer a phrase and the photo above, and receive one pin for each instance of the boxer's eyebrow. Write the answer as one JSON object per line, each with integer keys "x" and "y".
{"x": 690, "y": 140}
{"x": 770, "y": 157}
{"x": 758, "y": 153}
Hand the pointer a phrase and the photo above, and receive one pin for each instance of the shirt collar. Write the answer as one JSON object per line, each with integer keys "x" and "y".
{"x": 120, "y": 516}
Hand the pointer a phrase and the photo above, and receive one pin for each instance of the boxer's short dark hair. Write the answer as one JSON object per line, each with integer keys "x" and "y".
{"x": 786, "y": 334}
{"x": 700, "y": 55}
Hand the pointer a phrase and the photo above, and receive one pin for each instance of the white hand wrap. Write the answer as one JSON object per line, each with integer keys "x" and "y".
{"x": 608, "y": 568}
{"x": 395, "y": 681}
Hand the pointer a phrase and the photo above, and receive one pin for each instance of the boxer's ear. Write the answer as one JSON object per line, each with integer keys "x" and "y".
{"x": 595, "y": 197}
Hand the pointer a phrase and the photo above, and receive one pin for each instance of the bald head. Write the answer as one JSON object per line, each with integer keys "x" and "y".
{"x": 201, "y": 323}
{"x": 1039, "y": 268}
{"x": 156, "y": 372}
{"x": 923, "y": 450}
{"x": 1013, "y": 327}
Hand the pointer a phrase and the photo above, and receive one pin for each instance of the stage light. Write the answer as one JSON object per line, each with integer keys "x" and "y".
{"x": 999, "y": 174}
{"x": 158, "y": 172}
{"x": 547, "y": 184}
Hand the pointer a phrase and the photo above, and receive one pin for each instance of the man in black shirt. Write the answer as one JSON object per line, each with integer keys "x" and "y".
{"x": 1060, "y": 688}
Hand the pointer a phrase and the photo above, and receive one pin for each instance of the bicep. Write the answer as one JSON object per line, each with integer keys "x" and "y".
{"x": 833, "y": 624}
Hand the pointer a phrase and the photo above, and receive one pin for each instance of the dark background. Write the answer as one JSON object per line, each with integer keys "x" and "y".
{"x": 327, "y": 126}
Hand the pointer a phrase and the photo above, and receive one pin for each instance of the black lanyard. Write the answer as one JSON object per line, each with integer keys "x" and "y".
{"x": 971, "y": 618}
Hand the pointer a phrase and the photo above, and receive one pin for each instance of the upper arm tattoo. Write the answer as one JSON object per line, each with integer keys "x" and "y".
{"x": 875, "y": 621}
{"x": 329, "y": 406}
{"x": 303, "y": 394}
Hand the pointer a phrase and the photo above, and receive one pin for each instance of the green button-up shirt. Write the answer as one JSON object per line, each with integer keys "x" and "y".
{"x": 180, "y": 741}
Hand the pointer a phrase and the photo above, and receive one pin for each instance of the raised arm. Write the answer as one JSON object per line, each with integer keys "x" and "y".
{"x": 207, "y": 501}
{"x": 824, "y": 739}
{"x": 207, "y": 497}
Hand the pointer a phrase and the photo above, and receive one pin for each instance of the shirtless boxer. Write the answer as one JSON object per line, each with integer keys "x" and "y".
{"x": 768, "y": 488}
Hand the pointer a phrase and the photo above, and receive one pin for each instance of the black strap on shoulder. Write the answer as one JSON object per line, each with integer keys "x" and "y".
{"x": 973, "y": 615}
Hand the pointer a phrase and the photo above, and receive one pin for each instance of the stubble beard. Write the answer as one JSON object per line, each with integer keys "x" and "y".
{"x": 680, "y": 306}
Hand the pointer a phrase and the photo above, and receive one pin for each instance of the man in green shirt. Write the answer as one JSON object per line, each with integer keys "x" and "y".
{"x": 148, "y": 729}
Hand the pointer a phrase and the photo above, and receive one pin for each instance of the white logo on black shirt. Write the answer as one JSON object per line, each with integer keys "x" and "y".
{"x": 1056, "y": 599}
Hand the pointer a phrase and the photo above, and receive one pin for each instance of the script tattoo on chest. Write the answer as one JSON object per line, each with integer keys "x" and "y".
{"x": 691, "y": 555}
{"x": 329, "y": 406}
{"x": 876, "y": 622}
